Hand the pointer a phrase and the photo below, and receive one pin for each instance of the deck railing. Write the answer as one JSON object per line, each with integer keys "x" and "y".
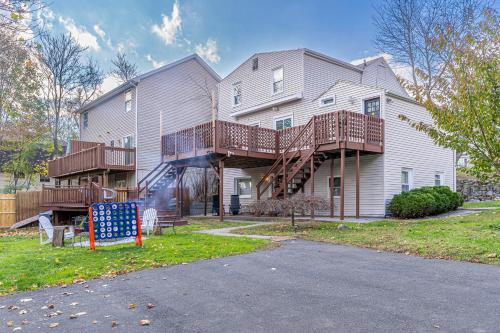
{"x": 94, "y": 158}
{"x": 337, "y": 127}
{"x": 71, "y": 196}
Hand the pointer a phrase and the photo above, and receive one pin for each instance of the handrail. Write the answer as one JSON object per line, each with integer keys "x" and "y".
{"x": 281, "y": 161}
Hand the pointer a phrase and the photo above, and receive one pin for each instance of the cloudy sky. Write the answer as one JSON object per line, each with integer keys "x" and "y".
{"x": 223, "y": 32}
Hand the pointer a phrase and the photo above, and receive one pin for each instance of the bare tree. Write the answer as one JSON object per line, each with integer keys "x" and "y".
{"x": 70, "y": 82}
{"x": 409, "y": 30}
{"x": 123, "y": 69}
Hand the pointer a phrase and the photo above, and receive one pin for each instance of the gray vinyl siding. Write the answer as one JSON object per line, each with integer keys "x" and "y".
{"x": 170, "y": 101}
{"x": 109, "y": 121}
{"x": 405, "y": 147}
{"x": 167, "y": 101}
{"x": 257, "y": 85}
{"x": 379, "y": 74}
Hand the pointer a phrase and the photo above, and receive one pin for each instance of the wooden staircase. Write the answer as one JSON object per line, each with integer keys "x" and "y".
{"x": 294, "y": 166}
{"x": 159, "y": 179}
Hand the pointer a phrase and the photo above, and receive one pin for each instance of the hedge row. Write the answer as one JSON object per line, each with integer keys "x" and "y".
{"x": 425, "y": 201}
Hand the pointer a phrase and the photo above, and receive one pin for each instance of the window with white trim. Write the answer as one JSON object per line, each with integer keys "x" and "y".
{"x": 326, "y": 101}
{"x": 243, "y": 187}
{"x": 255, "y": 64}
{"x": 406, "y": 179}
{"x": 128, "y": 101}
{"x": 85, "y": 119}
{"x": 372, "y": 107}
{"x": 336, "y": 186}
{"x": 439, "y": 179}
{"x": 237, "y": 94}
{"x": 278, "y": 80}
{"x": 283, "y": 122}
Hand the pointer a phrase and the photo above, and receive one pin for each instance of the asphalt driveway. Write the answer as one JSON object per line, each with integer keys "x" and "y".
{"x": 299, "y": 287}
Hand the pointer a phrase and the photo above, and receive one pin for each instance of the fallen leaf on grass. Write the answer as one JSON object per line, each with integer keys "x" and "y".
{"x": 10, "y": 323}
{"x": 79, "y": 281}
{"x": 131, "y": 306}
{"x": 114, "y": 323}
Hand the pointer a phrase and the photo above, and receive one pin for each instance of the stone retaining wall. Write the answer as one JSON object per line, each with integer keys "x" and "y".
{"x": 473, "y": 190}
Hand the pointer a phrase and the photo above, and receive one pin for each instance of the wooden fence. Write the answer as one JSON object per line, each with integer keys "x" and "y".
{"x": 7, "y": 210}
{"x": 18, "y": 207}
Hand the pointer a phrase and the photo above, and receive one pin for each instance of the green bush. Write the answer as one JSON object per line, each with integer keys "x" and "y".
{"x": 424, "y": 201}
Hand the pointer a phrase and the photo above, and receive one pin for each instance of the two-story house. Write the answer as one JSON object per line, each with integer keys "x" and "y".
{"x": 120, "y": 132}
{"x": 282, "y": 129}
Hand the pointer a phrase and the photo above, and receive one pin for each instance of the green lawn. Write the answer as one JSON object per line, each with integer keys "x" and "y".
{"x": 27, "y": 265}
{"x": 474, "y": 237}
{"x": 483, "y": 204}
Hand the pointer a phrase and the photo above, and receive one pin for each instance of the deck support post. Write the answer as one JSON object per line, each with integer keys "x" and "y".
{"x": 205, "y": 190}
{"x": 221, "y": 190}
{"x": 357, "y": 183}
{"x": 312, "y": 187}
{"x": 285, "y": 185}
{"x": 179, "y": 174}
{"x": 342, "y": 182}
{"x": 332, "y": 201}
{"x": 181, "y": 193}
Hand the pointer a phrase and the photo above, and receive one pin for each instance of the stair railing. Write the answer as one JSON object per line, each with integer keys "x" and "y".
{"x": 281, "y": 163}
{"x": 153, "y": 176}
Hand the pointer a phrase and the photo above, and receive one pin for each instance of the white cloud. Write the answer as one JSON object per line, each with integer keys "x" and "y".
{"x": 109, "y": 83}
{"x": 170, "y": 26}
{"x": 208, "y": 51}
{"x": 401, "y": 70}
{"x": 45, "y": 17}
{"x": 98, "y": 30}
{"x": 80, "y": 34}
{"x": 155, "y": 63}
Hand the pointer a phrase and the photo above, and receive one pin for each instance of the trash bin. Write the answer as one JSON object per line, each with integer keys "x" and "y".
{"x": 235, "y": 206}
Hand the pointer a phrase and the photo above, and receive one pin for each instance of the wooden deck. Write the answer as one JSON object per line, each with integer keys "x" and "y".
{"x": 92, "y": 156}
{"x": 249, "y": 146}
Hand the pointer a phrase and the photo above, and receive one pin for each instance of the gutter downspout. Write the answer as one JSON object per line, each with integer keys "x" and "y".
{"x": 136, "y": 85}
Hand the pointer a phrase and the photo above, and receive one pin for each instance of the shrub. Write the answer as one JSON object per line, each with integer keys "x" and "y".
{"x": 425, "y": 201}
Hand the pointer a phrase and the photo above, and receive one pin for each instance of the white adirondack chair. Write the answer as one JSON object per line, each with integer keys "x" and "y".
{"x": 149, "y": 220}
{"x": 45, "y": 225}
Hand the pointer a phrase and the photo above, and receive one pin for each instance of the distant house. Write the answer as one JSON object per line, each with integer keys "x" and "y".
{"x": 287, "y": 122}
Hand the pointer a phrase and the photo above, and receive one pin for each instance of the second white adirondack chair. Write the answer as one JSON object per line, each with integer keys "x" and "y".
{"x": 149, "y": 220}
{"x": 45, "y": 225}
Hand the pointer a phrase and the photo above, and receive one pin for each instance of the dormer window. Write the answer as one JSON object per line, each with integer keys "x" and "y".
{"x": 255, "y": 64}
{"x": 237, "y": 94}
{"x": 278, "y": 80}
{"x": 128, "y": 101}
